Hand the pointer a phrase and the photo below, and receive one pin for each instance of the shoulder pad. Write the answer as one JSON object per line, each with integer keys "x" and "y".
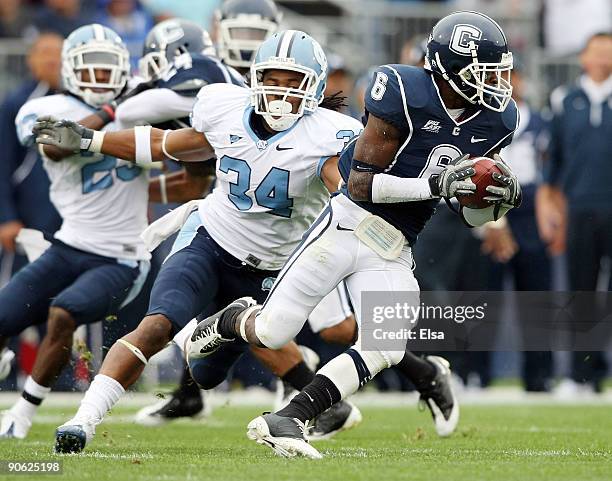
{"x": 385, "y": 98}
{"x": 416, "y": 82}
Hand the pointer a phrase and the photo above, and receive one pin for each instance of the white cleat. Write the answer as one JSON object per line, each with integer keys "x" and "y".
{"x": 14, "y": 426}
{"x": 6, "y": 360}
{"x": 285, "y": 436}
{"x": 440, "y": 398}
{"x": 73, "y": 436}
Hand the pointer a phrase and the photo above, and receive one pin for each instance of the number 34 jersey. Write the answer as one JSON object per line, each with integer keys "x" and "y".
{"x": 268, "y": 191}
{"x": 102, "y": 200}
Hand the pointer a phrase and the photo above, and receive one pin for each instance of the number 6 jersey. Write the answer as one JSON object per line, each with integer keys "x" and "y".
{"x": 102, "y": 200}
{"x": 268, "y": 191}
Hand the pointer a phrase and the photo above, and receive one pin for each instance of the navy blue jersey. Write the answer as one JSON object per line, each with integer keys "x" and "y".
{"x": 191, "y": 72}
{"x": 408, "y": 98}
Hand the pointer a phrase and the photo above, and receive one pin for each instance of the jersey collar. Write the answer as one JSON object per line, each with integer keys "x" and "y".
{"x": 446, "y": 110}
{"x": 247, "y": 126}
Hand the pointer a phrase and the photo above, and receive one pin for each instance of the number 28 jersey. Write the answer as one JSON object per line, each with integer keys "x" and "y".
{"x": 268, "y": 191}
{"x": 102, "y": 200}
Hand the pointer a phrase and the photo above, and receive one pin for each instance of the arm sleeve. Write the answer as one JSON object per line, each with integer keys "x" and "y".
{"x": 385, "y": 97}
{"x": 154, "y": 106}
{"x": 12, "y": 154}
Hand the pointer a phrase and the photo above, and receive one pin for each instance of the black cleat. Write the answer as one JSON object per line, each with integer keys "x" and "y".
{"x": 206, "y": 339}
{"x": 439, "y": 397}
{"x": 70, "y": 439}
{"x": 285, "y": 436}
{"x": 179, "y": 405}
{"x": 341, "y": 416}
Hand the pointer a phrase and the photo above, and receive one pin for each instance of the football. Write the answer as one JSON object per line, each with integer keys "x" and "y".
{"x": 484, "y": 167}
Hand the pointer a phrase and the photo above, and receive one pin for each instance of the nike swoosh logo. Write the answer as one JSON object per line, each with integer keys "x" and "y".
{"x": 339, "y": 227}
{"x": 475, "y": 140}
{"x": 279, "y": 148}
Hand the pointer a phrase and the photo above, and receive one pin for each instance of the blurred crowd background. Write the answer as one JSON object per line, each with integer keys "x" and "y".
{"x": 561, "y": 238}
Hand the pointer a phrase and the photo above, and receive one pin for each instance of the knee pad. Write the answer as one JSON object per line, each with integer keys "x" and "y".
{"x": 273, "y": 327}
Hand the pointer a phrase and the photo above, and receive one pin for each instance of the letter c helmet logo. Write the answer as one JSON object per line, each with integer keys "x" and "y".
{"x": 462, "y": 36}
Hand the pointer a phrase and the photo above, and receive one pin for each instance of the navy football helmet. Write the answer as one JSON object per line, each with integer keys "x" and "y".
{"x": 470, "y": 51}
{"x": 242, "y": 27}
{"x": 171, "y": 39}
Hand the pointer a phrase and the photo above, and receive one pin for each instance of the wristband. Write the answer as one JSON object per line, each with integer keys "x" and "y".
{"x": 91, "y": 141}
{"x": 142, "y": 140}
{"x": 106, "y": 113}
{"x": 96, "y": 142}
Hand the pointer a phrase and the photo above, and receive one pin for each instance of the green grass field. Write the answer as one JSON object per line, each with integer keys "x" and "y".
{"x": 493, "y": 443}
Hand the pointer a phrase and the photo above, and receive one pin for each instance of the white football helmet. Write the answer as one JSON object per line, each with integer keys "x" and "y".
{"x": 89, "y": 49}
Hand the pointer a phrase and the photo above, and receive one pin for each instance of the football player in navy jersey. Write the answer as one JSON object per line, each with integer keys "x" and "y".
{"x": 422, "y": 125}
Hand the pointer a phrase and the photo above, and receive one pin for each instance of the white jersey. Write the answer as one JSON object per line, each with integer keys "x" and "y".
{"x": 102, "y": 200}
{"x": 268, "y": 191}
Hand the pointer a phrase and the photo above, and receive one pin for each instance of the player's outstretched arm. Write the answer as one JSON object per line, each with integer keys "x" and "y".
{"x": 142, "y": 145}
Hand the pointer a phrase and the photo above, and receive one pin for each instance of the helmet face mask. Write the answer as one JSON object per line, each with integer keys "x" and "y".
{"x": 289, "y": 51}
{"x": 100, "y": 49}
{"x": 279, "y": 113}
{"x": 167, "y": 41}
{"x": 242, "y": 26}
{"x": 240, "y": 37}
{"x": 469, "y": 50}
{"x": 491, "y": 82}
{"x": 151, "y": 65}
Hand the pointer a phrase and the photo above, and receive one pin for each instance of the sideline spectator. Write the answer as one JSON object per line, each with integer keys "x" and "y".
{"x": 24, "y": 186}
{"x": 13, "y": 20}
{"x": 514, "y": 243}
{"x": 573, "y": 206}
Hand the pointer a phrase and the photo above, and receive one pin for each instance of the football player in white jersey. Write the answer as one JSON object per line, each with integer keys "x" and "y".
{"x": 178, "y": 59}
{"x": 276, "y": 150}
{"x": 96, "y": 262}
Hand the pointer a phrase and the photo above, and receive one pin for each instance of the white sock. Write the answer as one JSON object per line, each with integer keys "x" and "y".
{"x": 35, "y": 393}
{"x": 102, "y": 395}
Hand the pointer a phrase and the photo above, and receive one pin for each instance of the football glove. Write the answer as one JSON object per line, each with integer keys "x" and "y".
{"x": 509, "y": 193}
{"x": 455, "y": 179}
{"x": 64, "y": 134}
{"x": 107, "y": 111}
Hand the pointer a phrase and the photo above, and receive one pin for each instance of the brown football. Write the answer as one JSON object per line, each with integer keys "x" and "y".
{"x": 484, "y": 168}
